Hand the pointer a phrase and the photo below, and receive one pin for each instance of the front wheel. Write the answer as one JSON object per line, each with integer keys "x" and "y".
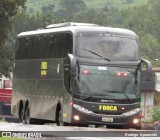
{"x": 138, "y": 127}
{"x": 27, "y": 116}
{"x": 59, "y": 120}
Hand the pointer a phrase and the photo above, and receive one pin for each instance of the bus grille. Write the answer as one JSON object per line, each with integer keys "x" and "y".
{"x": 108, "y": 113}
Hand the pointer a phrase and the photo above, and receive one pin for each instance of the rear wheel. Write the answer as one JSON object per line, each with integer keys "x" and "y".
{"x": 21, "y": 115}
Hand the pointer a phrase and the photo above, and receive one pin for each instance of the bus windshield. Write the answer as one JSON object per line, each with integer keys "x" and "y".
{"x": 108, "y": 82}
{"x": 110, "y": 47}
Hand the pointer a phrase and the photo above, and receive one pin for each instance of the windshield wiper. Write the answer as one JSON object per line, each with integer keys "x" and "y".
{"x": 97, "y": 54}
{"x": 127, "y": 98}
{"x": 113, "y": 91}
{"x": 103, "y": 95}
{"x": 120, "y": 92}
{"x": 91, "y": 96}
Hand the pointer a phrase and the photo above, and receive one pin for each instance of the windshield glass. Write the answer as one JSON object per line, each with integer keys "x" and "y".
{"x": 110, "y": 47}
{"x": 108, "y": 82}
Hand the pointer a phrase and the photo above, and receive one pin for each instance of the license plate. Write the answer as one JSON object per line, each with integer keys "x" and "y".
{"x": 107, "y": 119}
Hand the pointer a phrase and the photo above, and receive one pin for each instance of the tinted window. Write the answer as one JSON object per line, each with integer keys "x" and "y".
{"x": 22, "y": 48}
{"x": 56, "y": 45}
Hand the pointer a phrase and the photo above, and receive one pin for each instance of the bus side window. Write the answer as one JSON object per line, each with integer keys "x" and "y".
{"x": 50, "y": 46}
{"x": 59, "y": 45}
{"x": 68, "y": 47}
{"x": 21, "y": 46}
{"x": 41, "y": 46}
{"x": 34, "y": 49}
{"x": 31, "y": 48}
{"x": 17, "y": 48}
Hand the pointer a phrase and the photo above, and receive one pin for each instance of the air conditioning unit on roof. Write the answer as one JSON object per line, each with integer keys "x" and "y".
{"x": 70, "y": 24}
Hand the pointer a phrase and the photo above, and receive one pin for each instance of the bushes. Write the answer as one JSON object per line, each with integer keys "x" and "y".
{"x": 155, "y": 113}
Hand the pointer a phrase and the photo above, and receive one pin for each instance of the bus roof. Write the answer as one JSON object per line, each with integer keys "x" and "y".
{"x": 79, "y": 27}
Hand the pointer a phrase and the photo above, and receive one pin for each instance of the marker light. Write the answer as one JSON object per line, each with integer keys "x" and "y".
{"x": 122, "y": 108}
{"x": 125, "y": 74}
{"x": 76, "y": 117}
{"x": 85, "y": 72}
{"x": 118, "y": 74}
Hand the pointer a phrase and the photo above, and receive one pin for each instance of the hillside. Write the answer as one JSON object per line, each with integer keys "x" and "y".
{"x": 37, "y": 4}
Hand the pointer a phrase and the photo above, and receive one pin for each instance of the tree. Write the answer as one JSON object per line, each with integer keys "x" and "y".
{"x": 8, "y": 8}
{"x": 143, "y": 20}
{"x": 69, "y": 8}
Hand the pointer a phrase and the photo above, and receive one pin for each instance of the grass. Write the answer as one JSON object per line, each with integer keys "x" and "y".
{"x": 7, "y": 138}
{"x": 2, "y": 120}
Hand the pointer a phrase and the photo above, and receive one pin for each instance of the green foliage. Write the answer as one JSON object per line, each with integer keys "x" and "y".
{"x": 9, "y": 138}
{"x": 140, "y": 16}
{"x": 8, "y": 8}
{"x": 143, "y": 20}
{"x": 6, "y": 59}
{"x": 95, "y": 4}
{"x": 155, "y": 114}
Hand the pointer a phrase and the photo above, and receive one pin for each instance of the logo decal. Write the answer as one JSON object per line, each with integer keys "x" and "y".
{"x": 43, "y": 69}
{"x": 107, "y": 108}
{"x": 108, "y": 101}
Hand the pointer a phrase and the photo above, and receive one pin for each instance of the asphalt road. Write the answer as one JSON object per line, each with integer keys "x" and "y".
{"x": 53, "y": 132}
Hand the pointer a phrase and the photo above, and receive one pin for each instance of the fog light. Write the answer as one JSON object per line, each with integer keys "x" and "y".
{"x": 76, "y": 117}
{"x": 135, "y": 121}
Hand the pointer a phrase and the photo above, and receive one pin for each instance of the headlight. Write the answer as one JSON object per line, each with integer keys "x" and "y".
{"x": 131, "y": 112}
{"x": 82, "y": 109}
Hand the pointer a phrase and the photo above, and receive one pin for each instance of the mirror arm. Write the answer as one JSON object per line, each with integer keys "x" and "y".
{"x": 73, "y": 64}
{"x": 148, "y": 65}
{"x": 148, "y": 68}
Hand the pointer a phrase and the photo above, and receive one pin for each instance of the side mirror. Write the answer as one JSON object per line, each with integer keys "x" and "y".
{"x": 148, "y": 67}
{"x": 73, "y": 61}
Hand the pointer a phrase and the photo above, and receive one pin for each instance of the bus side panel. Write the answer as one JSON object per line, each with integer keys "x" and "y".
{"x": 40, "y": 82}
{"x": 47, "y": 87}
{"x": 52, "y": 96}
{"x": 67, "y": 108}
{"x": 20, "y": 90}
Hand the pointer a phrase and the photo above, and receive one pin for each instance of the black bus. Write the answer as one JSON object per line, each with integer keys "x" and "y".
{"x": 78, "y": 74}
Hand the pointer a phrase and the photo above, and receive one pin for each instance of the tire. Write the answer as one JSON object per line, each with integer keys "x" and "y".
{"x": 27, "y": 116}
{"x": 138, "y": 128}
{"x": 59, "y": 118}
{"x": 21, "y": 116}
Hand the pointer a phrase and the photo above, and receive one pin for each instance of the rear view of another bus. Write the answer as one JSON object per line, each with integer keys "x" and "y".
{"x": 5, "y": 99}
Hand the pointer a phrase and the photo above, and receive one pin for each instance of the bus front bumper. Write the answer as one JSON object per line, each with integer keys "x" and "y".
{"x": 110, "y": 120}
